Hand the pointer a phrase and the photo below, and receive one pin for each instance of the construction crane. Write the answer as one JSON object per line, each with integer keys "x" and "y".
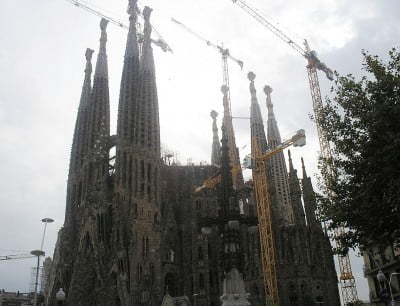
{"x": 160, "y": 42}
{"x": 267, "y": 246}
{"x": 347, "y": 281}
{"x": 237, "y": 175}
{"x": 16, "y": 256}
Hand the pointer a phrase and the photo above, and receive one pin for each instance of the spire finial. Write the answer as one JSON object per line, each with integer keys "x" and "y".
{"x": 88, "y": 69}
{"x": 88, "y": 54}
{"x": 147, "y": 56}
{"x": 132, "y": 8}
{"x": 146, "y": 13}
{"x": 103, "y": 38}
{"x": 268, "y": 91}
{"x": 251, "y": 76}
{"x": 101, "y": 66}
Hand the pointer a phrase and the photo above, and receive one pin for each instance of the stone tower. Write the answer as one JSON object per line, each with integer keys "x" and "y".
{"x": 144, "y": 252}
{"x": 237, "y": 174}
{"x": 279, "y": 178}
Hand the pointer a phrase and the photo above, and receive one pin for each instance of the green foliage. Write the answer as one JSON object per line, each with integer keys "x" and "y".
{"x": 362, "y": 122}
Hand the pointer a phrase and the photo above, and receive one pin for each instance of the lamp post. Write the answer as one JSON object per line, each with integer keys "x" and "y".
{"x": 60, "y": 296}
{"x": 39, "y": 253}
{"x": 382, "y": 279}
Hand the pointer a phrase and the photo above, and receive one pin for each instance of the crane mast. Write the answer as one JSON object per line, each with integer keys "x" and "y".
{"x": 237, "y": 175}
{"x": 347, "y": 281}
{"x": 160, "y": 42}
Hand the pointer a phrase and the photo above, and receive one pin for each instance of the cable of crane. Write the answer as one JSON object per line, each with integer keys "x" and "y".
{"x": 159, "y": 42}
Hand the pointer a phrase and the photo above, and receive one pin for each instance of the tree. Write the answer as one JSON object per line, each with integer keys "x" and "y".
{"x": 362, "y": 122}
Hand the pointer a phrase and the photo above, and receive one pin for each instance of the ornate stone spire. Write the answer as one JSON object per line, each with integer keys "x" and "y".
{"x": 273, "y": 131}
{"x": 310, "y": 205}
{"x": 146, "y": 182}
{"x": 278, "y": 165}
{"x": 234, "y": 152}
{"x": 99, "y": 108}
{"x": 216, "y": 147}
{"x": 79, "y": 143}
{"x": 80, "y": 133}
{"x": 129, "y": 80}
{"x": 256, "y": 122}
{"x": 127, "y": 104}
{"x": 295, "y": 194}
{"x": 147, "y": 131}
{"x": 102, "y": 65}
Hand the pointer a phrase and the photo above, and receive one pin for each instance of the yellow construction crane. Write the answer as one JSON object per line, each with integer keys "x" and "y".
{"x": 267, "y": 246}
{"x": 160, "y": 42}
{"x": 233, "y": 154}
{"x": 347, "y": 281}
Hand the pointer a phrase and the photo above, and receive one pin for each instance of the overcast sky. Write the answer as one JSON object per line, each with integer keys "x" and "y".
{"x": 42, "y": 47}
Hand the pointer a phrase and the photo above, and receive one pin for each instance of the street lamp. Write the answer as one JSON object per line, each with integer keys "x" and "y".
{"x": 382, "y": 279}
{"x": 60, "y": 296}
{"x": 39, "y": 253}
{"x": 45, "y": 220}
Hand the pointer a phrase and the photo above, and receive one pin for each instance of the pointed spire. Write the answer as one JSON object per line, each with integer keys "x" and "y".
{"x": 309, "y": 199}
{"x": 132, "y": 48}
{"x": 278, "y": 164}
{"x": 147, "y": 61}
{"x": 101, "y": 65}
{"x": 99, "y": 108}
{"x": 256, "y": 122}
{"x": 273, "y": 131}
{"x": 147, "y": 130}
{"x": 80, "y": 137}
{"x": 234, "y": 152}
{"x": 216, "y": 147}
{"x": 129, "y": 80}
{"x": 79, "y": 143}
{"x": 295, "y": 194}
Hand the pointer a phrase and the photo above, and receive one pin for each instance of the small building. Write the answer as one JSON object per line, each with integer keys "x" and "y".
{"x": 388, "y": 261}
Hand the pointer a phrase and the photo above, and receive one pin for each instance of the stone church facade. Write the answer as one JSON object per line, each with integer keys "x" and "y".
{"x": 133, "y": 224}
